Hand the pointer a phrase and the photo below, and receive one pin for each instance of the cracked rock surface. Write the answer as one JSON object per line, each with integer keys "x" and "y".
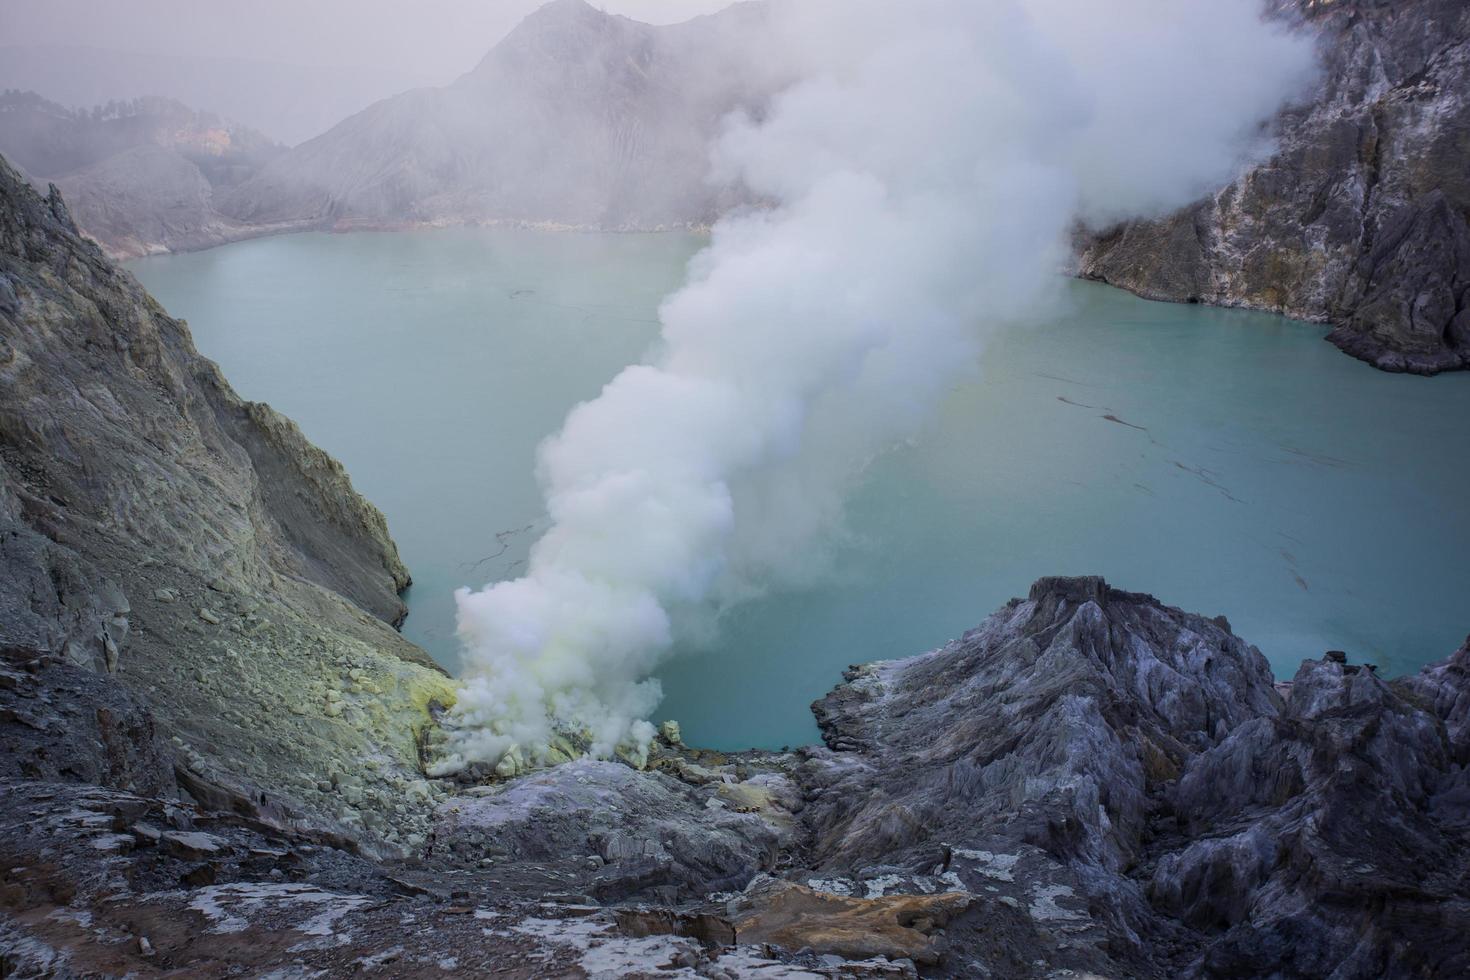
{"x": 1122, "y": 786}
{"x": 1359, "y": 218}
{"x": 186, "y": 584}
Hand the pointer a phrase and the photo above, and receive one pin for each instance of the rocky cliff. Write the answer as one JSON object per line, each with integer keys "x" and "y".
{"x": 1128, "y": 793}
{"x": 1359, "y": 219}
{"x": 175, "y": 561}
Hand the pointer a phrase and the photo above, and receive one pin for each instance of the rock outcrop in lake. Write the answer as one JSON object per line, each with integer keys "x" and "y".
{"x": 139, "y": 176}
{"x": 214, "y": 747}
{"x": 1360, "y": 218}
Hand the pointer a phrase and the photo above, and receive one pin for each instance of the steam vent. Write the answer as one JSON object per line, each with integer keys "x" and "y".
{"x": 713, "y": 379}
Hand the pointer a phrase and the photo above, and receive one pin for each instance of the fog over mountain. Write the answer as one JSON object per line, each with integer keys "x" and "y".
{"x": 578, "y": 118}
{"x": 290, "y": 70}
{"x": 289, "y": 102}
{"x": 139, "y": 174}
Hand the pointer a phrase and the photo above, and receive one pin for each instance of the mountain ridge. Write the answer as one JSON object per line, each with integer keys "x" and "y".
{"x": 577, "y": 119}
{"x": 140, "y": 175}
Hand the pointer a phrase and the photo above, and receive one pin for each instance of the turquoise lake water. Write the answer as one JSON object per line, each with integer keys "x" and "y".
{"x": 1228, "y": 462}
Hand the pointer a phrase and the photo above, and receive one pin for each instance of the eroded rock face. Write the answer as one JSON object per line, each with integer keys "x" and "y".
{"x": 59, "y": 721}
{"x": 1104, "y": 693}
{"x": 228, "y": 592}
{"x": 1359, "y": 218}
{"x": 1415, "y": 282}
{"x": 1330, "y": 839}
{"x": 1126, "y": 778}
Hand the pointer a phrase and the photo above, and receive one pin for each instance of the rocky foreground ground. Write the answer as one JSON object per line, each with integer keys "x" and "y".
{"x": 1089, "y": 784}
{"x": 214, "y": 746}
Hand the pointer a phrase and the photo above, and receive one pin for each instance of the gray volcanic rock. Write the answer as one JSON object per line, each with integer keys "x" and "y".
{"x": 105, "y": 883}
{"x": 1078, "y": 666}
{"x": 1359, "y": 218}
{"x": 59, "y": 721}
{"x": 1124, "y": 776}
{"x": 618, "y": 832}
{"x": 174, "y": 559}
{"x": 1414, "y": 312}
{"x": 1090, "y": 783}
{"x": 1330, "y": 839}
{"x": 578, "y": 118}
{"x": 1445, "y": 688}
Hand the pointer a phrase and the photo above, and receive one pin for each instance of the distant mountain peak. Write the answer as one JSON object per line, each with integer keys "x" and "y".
{"x": 560, "y": 8}
{"x": 566, "y": 14}
{"x": 560, "y": 29}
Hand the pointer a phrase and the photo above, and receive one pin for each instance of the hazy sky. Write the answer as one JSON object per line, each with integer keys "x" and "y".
{"x": 433, "y": 39}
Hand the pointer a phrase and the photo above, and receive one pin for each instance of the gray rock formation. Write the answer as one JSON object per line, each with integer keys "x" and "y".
{"x": 621, "y": 833}
{"x": 1127, "y": 794}
{"x": 174, "y": 560}
{"x": 102, "y": 883}
{"x": 577, "y": 119}
{"x": 1359, "y": 219}
{"x": 140, "y": 176}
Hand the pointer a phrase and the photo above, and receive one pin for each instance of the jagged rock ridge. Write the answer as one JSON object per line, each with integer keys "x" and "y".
{"x": 1125, "y": 777}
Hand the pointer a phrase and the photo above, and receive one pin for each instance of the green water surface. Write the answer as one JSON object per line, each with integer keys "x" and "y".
{"x": 1228, "y": 462}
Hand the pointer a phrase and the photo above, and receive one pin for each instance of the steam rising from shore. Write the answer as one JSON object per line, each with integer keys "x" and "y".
{"x": 926, "y": 173}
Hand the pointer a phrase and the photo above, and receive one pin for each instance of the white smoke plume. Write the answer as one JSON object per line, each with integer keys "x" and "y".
{"x": 926, "y": 173}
